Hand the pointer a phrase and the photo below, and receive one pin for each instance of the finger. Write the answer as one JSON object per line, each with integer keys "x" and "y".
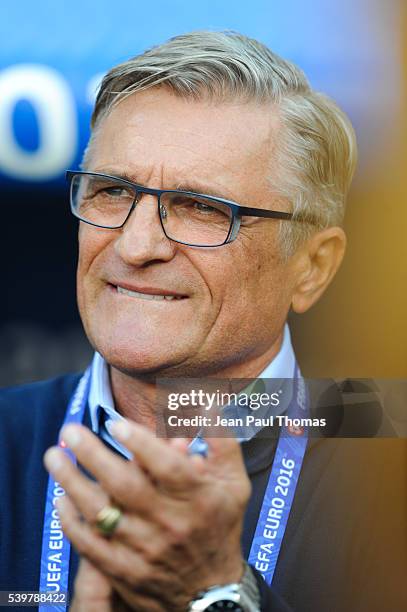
{"x": 180, "y": 444}
{"x": 227, "y": 450}
{"x": 88, "y": 496}
{"x": 93, "y": 591}
{"x": 123, "y": 480}
{"x": 108, "y": 556}
{"x": 221, "y": 439}
{"x": 143, "y": 533}
{"x": 164, "y": 462}
{"x": 136, "y": 533}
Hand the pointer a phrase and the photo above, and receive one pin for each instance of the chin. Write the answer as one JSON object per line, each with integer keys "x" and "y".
{"x": 139, "y": 359}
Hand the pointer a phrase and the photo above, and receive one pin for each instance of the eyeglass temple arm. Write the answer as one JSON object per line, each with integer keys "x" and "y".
{"x": 245, "y": 211}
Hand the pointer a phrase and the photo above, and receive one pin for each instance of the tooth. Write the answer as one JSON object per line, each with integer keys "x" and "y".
{"x": 145, "y": 296}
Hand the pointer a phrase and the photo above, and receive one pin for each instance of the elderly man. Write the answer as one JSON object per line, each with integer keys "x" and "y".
{"x": 210, "y": 205}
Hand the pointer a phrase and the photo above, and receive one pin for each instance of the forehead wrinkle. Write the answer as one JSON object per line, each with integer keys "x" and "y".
{"x": 261, "y": 147}
{"x": 196, "y": 175}
{"x": 191, "y": 179}
{"x": 193, "y": 182}
{"x": 238, "y": 171}
{"x": 261, "y": 138}
{"x": 256, "y": 149}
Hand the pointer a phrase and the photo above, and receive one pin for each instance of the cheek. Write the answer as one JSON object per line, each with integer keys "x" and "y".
{"x": 92, "y": 242}
{"x": 243, "y": 278}
{"x": 261, "y": 283}
{"x": 91, "y": 245}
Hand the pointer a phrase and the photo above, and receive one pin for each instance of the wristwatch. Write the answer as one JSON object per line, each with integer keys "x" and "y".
{"x": 236, "y": 597}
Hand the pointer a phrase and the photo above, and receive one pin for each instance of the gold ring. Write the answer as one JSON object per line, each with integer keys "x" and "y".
{"x": 107, "y": 520}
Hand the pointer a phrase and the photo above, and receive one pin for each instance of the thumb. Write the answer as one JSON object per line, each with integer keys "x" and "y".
{"x": 224, "y": 454}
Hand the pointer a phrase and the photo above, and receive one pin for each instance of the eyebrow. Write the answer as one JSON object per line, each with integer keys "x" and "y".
{"x": 193, "y": 186}
{"x": 202, "y": 189}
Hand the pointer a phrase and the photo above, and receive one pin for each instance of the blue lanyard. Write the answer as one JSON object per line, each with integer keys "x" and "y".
{"x": 281, "y": 486}
{"x": 56, "y": 548}
{"x": 273, "y": 516}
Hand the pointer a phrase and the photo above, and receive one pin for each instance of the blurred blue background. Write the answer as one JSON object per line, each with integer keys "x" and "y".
{"x": 52, "y": 56}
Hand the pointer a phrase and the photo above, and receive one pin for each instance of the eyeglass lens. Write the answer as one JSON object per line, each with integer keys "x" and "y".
{"x": 192, "y": 219}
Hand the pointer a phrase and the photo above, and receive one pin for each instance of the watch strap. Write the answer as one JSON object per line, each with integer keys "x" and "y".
{"x": 245, "y": 594}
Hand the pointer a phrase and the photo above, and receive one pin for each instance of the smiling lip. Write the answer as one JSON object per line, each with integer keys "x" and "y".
{"x": 147, "y": 293}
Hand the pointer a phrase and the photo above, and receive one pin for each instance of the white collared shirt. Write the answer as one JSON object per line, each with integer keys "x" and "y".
{"x": 101, "y": 399}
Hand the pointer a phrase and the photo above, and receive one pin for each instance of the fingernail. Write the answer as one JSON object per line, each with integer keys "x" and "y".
{"x": 53, "y": 459}
{"x": 71, "y": 436}
{"x": 121, "y": 430}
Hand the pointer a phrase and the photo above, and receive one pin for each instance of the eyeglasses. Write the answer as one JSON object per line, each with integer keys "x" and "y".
{"x": 189, "y": 218}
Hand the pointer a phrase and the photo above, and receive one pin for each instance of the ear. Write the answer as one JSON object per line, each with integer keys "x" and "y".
{"x": 318, "y": 261}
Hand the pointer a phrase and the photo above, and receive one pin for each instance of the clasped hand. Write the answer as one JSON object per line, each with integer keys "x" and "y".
{"x": 181, "y": 524}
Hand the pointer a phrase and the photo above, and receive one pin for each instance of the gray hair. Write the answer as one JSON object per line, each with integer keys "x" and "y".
{"x": 316, "y": 152}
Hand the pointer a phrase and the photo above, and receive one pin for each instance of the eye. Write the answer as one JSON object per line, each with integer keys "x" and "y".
{"x": 202, "y": 207}
{"x": 208, "y": 208}
{"x": 102, "y": 191}
{"x": 114, "y": 191}
{"x": 195, "y": 207}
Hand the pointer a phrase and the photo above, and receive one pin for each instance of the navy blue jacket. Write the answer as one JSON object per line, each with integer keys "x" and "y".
{"x": 345, "y": 547}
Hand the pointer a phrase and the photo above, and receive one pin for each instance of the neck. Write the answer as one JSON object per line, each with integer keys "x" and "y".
{"x": 136, "y": 397}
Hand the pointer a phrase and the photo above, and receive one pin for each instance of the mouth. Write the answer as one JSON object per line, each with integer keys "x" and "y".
{"x": 148, "y": 293}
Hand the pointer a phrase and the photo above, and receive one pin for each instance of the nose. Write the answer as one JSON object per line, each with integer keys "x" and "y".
{"x": 142, "y": 240}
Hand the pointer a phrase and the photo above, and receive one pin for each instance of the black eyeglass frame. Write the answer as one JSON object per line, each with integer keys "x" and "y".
{"x": 238, "y": 211}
